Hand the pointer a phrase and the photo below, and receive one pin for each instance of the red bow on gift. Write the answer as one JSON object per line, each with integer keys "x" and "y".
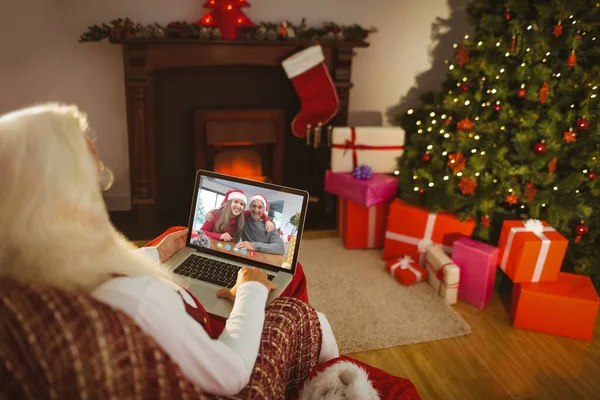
{"x": 351, "y": 145}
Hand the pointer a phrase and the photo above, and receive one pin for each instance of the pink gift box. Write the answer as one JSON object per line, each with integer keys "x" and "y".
{"x": 477, "y": 262}
{"x": 366, "y": 193}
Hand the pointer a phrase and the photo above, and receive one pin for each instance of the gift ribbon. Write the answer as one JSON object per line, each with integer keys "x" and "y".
{"x": 351, "y": 145}
{"x": 422, "y": 244}
{"x": 535, "y": 226}
{"x": 404, "y": 263}
{"x": 440, "y": 275}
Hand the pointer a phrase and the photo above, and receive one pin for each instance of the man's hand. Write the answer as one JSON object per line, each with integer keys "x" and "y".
{"x": 171, "y": 245}
{"x": 270, "y": 226}
{"x": 210, "y": 217}
{"x": 245, "y": 245}
{"x": 226, "y": 237}
{"x": 246, "y": 275}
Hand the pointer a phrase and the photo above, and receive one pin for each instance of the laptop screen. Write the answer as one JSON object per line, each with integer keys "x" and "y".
{"x": 246, "y": 221}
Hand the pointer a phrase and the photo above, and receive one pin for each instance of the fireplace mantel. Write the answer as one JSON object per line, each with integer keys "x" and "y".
{"x": 142, "y": 58}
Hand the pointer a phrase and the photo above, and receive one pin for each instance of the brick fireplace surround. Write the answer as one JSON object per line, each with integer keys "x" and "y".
{"x": 200, "y": 105}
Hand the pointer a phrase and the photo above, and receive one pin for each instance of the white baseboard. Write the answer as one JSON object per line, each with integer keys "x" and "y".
{"x": 117, "y": 202}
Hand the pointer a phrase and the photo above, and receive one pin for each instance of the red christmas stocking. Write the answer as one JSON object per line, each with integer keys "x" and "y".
{"x": 318, "y": 98}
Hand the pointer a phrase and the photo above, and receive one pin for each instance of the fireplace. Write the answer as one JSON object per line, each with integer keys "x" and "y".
{"x": 224, "y": 106}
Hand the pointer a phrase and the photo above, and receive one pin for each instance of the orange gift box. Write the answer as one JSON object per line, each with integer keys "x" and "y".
{"x": 361, "y": 227}
{"x": 531, "y": 251}
{"x": 406, "y": 271}
{"x": 411, "y": 229}
{"x": 567, "y": 307}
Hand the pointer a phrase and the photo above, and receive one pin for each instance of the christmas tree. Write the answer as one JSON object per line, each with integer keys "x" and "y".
{"x": 226, "y": 16}
{"x": 515, "y": 131}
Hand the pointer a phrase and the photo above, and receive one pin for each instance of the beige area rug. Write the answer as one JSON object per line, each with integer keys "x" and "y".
{"x": 366, "y": 307}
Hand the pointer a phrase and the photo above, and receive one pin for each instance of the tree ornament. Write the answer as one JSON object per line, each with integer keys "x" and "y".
{"x": 592, "y": 176}
{"x": 570, "y": 136}
{"x": 530, "y": 191}
{"x": 426, "y": 157}
{"x": 512, "y": 199}
{"x": 507, "y": 14}
{"x": 462, "y": 55}
{"x": 544, "y": 91}
{"x": 464, "y": 87}
{"x": 582, "y": 124}
{"x": 448, "y": 121}
{"x": 539, "y": 148}
{"x": 456, "y": 162}
{"x": 485, "y": 221}
{"x": 581, "y": 230}
{"x": 421, "y": 191}
{"x": 465, "y": 124}
{"x": 227, "y": 16}
{"x": 467, "y": 185}
{"x": 513, "y": 44}
{"x": 558, "y": 28}
{"x": 572, "y": 60}
{"x": 521, "y": 92}
{"x": 497, "y": 107}
{"x": 552, "y": 165}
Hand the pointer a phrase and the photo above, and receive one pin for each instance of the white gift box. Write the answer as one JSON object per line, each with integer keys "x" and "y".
{"x": 442, "y": 274}
{"x": 378, "y": 147}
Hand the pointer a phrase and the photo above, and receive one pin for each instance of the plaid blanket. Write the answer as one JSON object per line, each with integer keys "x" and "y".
{"x": 62, "y": 345}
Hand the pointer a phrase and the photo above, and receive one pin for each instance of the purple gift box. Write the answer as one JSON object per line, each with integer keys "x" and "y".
{"x": 367, "y": 193}
{"x": 477, "y": 262}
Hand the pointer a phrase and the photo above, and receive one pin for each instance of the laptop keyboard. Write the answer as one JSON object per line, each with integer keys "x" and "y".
{"x": 209, "y": 270}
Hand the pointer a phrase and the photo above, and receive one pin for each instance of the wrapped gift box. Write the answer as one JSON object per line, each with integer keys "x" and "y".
{"x": 567, "y": 307}
{"x": 367, "y": 193}
{"x": 406, "y": 270}
{"x": 361, "y": 227}
{"x": 531, "y": 251}
{"x": 442, "y": 274}
{"x": 411, "y": 229}
{"x": 477, "y": 262}
{"x": 378, "y": 147}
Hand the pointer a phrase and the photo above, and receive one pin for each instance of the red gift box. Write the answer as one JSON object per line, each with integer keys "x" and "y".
{"x": 411, "y": 230}
{"x": 361, "y": 227}
{"x": 406, "y": 271}
{"x": 567, "y": 307}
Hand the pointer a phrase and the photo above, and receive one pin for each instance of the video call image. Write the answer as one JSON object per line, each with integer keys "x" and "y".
{"x": 246, "y": 221}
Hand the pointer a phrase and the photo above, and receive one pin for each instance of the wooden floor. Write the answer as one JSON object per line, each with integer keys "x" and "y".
{"x": 495, "y": 361}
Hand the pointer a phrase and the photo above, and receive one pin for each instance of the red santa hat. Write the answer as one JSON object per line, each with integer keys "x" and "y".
{"x": 262, "y": 198}
{"x": 234, "y": 194}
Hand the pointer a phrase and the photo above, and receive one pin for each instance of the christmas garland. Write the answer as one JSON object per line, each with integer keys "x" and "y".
{"x": 125, "y": 29}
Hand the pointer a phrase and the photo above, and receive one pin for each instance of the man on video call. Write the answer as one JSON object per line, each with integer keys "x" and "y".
{"x": 254, "y": 235}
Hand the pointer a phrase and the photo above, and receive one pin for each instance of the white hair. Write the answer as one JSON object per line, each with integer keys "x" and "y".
{"x": 54, "y": 226}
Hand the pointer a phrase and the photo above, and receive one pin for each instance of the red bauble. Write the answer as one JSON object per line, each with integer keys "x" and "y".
{"x": 582, "y": 124}
{"x": 507, "y": 15}
{"x": 581, "y": 229}
{"x": 464, "y": 87}
{"x": 421, "y": 191}
{"x": 497, "y": 107}
{"x": 521, "y": 92}
{"x": 426, "y": 157}
{"x": 592, "y": 176}
{"x": 539, "y": 148}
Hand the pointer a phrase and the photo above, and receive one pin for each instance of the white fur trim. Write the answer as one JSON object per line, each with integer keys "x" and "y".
{"x": 237, "y": 195}
{"x": 303, "y": 61}
{"x": 262, "y": 198}
{"x": 343, "y": 380}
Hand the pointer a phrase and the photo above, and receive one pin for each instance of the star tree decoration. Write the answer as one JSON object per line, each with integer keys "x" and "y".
{"x": 512, "y": 199}
{"x": 544, "y": 92}
{"x": 530, "y": 191}
{"x": 558, "y": 28}
{"x": 462, "y": 56}
{"x": 456, "y": 162}
{"x": 465, "y": 124}
{"x": 467, "y": 185}
{"x": 570, "y": 137}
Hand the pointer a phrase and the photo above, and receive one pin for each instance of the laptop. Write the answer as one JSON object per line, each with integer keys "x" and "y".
{"x": 208, "y": 264}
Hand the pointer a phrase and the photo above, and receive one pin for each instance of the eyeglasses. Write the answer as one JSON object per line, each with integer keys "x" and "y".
{"x": 106, "y": 178}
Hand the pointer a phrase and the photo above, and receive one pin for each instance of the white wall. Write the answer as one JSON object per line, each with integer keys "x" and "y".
{"x": 291, "y": 205}
{"x": 41, "y": 59}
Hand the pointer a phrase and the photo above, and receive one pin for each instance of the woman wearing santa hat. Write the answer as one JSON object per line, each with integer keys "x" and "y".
{"x": 228, "y": 224}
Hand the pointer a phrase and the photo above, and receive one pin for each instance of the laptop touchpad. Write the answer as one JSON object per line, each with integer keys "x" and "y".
{"x": 206, "y": 296}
